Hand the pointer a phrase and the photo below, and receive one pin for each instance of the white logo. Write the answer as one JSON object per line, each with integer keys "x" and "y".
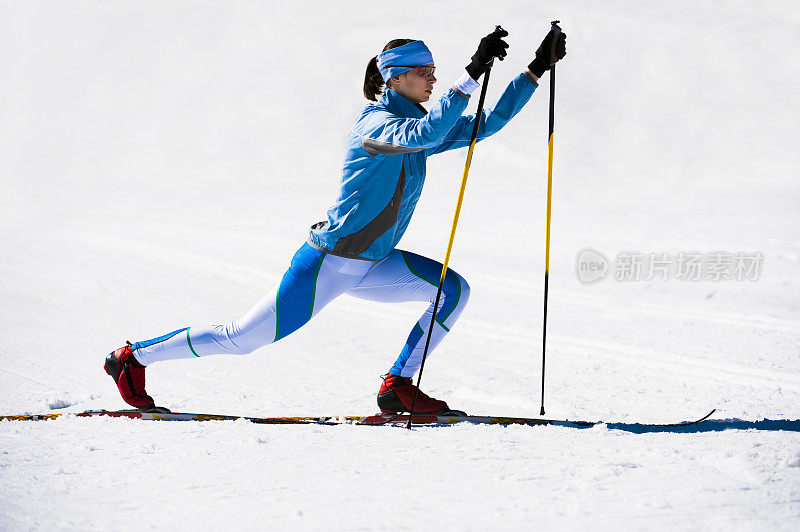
{"x": 591, "y": 266}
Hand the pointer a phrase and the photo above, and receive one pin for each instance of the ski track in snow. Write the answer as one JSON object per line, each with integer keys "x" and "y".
{"x": 177, "y": 258}
{"x": 666, "y": 361}
{"x": 679, "y": 313}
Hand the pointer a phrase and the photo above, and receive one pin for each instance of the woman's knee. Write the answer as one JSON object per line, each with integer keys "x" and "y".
{"x": 465, "y": 290}
{"x": 456, "y": 289}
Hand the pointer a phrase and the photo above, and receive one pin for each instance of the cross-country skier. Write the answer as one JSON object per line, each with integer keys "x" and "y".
{"x": 353, "y": 251}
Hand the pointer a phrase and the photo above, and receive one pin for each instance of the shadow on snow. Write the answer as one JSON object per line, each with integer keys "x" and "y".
{"x": 710, "y": 425}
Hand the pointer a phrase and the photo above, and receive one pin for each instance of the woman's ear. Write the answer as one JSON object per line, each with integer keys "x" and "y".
{"x": 394, "y": 82}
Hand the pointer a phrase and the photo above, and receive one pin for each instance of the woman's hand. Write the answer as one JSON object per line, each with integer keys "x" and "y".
{"x": 490, "y": 47}
{"x": 552, "y": 49}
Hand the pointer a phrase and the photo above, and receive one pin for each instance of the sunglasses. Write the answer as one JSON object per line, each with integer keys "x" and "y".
{"x": 425, "y": 71}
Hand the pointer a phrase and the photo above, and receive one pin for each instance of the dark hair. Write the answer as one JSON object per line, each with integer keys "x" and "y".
{"x": 373, "y": 81}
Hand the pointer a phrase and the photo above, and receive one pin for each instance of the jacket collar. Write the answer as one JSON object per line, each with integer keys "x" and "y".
{"x": 400, "y": 105}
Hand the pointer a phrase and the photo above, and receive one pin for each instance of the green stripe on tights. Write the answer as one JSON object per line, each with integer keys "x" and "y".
{"x": 190, "y": 343}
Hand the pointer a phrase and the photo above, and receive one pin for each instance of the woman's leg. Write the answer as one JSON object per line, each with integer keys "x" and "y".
{"x": 404, "y": 276}
{"x": 311, "y": 282}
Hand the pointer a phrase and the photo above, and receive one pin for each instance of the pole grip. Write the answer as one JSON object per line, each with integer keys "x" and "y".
{"x": 555, "y": 29}
{"x": 491, "y": 61}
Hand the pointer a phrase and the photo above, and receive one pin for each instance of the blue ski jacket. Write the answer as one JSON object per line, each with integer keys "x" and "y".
{"x": 384, "y": 165}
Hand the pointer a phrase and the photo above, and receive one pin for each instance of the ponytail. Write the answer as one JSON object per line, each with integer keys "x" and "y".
{"x": 373, "y": 80}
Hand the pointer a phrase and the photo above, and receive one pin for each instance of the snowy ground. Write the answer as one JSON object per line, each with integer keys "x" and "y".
{"x": 161, "y": 161}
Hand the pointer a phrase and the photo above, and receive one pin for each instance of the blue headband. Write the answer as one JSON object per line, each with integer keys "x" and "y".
{"x": 403, "y": 58}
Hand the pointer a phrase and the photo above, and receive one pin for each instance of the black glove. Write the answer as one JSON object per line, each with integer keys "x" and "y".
{"x": 490, "y": 47}
{"x": 553, "y": 48}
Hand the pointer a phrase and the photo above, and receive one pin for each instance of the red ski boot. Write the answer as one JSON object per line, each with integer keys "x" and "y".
{"x": 129, "y": 376}
{"x": 397, "y": 393}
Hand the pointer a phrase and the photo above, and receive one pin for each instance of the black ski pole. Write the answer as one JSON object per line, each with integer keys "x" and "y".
{"x": 553, "y": 29}
{"x": 478, "y": 117}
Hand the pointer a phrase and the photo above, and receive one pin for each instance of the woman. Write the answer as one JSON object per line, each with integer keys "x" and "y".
{"x": 353, "y": 251}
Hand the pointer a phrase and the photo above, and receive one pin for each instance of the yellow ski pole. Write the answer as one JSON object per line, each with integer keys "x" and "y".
{"x": 554, "y": 29}
{"x": 473, "y": 140}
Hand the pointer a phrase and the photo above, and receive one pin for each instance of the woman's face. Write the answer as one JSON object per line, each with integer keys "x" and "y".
{"x": 416, "y": 84}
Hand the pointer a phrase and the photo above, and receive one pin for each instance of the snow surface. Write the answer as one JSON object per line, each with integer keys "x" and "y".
{"x": 161, "y": 161}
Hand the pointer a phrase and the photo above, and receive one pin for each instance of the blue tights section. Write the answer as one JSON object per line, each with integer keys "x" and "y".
{"x": 430, "y": 271}
{"x": 148, "y": 343}
{"x": 413, "y": 339}
{"x": 296, "y": 292}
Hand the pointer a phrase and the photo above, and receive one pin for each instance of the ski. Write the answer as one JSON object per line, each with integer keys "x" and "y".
{"x": 374, "y": 420}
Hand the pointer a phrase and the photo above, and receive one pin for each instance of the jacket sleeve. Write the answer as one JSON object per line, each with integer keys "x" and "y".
{"x": 513, "y": 99}
{"x": 383, "y": 132}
